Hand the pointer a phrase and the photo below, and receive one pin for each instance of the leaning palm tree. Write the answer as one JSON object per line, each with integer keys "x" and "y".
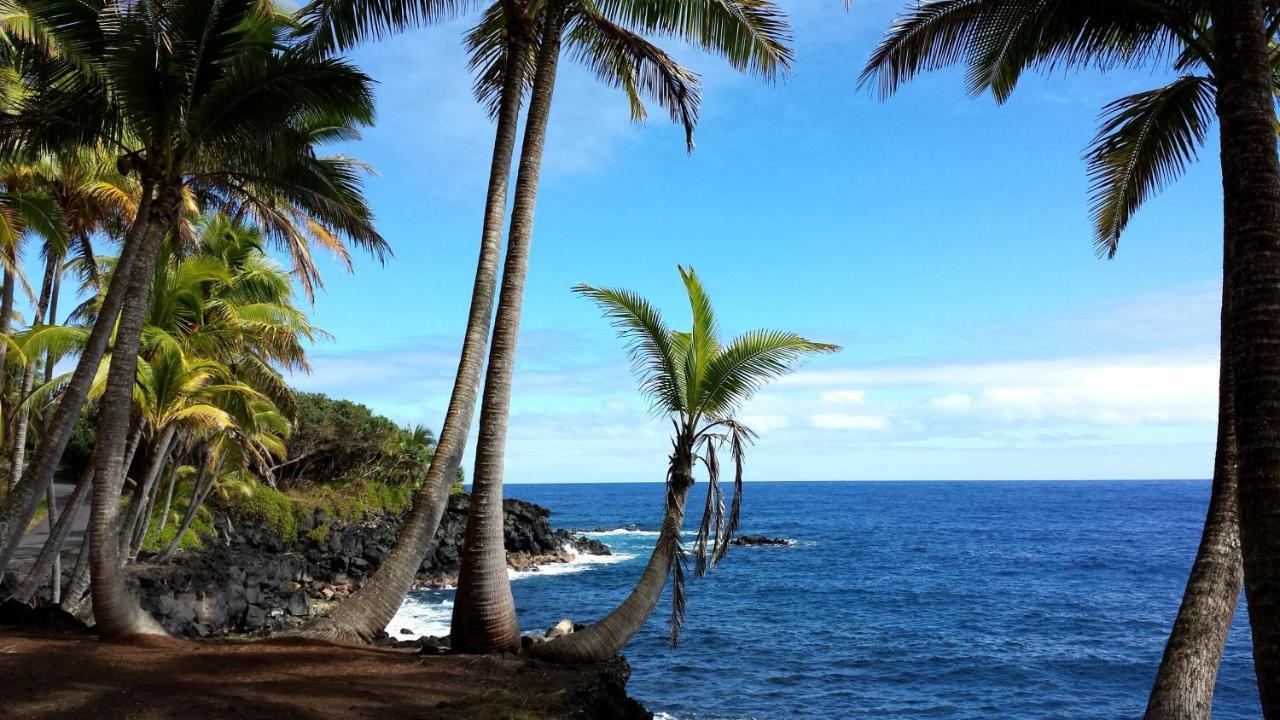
{"x": 608, "y": 38}
{"x": 700, "y": 384}
{"x": 515, "y": 41}
{"x": 196, "y": 94}
{"x": 1146, "y": 141}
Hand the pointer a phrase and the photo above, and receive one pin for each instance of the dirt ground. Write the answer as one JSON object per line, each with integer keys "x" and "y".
{"x": 80, "y": 676}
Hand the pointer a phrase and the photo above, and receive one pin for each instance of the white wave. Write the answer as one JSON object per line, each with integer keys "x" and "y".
{"x": 622, "y": 531}
{"x": 578, "y": 563}
{"x": 421, "y": 617}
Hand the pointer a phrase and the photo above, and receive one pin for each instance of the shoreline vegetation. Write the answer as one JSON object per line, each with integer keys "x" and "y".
{"x": 170, "y": 164}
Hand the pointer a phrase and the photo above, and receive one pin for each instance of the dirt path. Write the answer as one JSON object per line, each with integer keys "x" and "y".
{"x": 79, "y": 676}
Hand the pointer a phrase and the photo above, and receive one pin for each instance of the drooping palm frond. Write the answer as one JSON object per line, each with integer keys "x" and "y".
{"x": 1145, "y": 142}
{"x": 622, "y": 58}
{"x": 752, "y": 35}
{"x": 648, "y": 340}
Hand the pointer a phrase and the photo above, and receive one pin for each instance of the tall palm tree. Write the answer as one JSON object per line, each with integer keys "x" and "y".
{"x": 607, "y": 37}
{"x": 343, "y": 23}
{"x": 512, "y": 29}
{"x": 1145, "y": 142}
{"x": 1251, "y": 225}
{"x": 205, "y": 94}
{"x": 700, "y": 384}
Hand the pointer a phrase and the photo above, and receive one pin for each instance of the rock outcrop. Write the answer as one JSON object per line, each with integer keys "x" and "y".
{"x": 250, "y": 580}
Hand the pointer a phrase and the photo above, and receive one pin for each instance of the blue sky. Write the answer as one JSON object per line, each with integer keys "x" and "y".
{"x": 943, "y": 240}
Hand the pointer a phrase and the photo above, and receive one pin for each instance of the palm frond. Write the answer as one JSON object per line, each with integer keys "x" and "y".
{"x": 1145, "y": 142}
{"x": 747, "y": 363}
{"x": 649, "y": 343}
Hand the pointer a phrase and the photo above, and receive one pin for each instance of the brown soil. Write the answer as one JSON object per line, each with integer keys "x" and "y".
{"x": 80, "y": 676}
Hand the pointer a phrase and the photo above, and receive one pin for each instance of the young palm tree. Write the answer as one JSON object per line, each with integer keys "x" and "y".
{"x": 700, "y": 384}
{"x": 752, "y": 37}
{"x": 204, "y": 94}
{"x": 1145, "y": 142}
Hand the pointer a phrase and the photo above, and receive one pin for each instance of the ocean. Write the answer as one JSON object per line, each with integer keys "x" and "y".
{"x": 966, "y": 600}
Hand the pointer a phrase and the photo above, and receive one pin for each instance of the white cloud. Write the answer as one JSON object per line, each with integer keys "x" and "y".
{"x": 954, "y": 401}
{"x": 766, "y": 422}
{"x": 850, "y": 397}
{"x": 846, "y": 421}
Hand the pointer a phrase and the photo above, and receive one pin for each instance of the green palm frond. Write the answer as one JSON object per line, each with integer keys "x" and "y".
{"x": 622, "y": 58}
{"x": 752, "y": 35}
{"x": 649, "y": 343}
{"x": 327, "y": 25}
{"x": 747, "y": 363}
{"x": 1146, "y": 141}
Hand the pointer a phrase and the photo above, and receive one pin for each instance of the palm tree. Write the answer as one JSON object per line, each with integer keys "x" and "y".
{"x": 1251, "y": 228}
{"x": 509, "y": 29}
{"x": 205, "y": 95}
{"x": 343, "y": 23}
{"x": 751, "y": 36}
{"x": 700, "y": 384}
{"x": 1145, "y": 142}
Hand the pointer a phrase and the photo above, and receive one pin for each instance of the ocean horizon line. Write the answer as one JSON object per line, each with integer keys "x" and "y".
{"x": 886, "y": 481}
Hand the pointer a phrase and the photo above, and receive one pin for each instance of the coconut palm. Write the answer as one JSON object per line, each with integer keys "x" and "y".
{"x": 1145, "y": 142}
{"x": 196, "y": 95}
{"x": 700, "y": 384}
{"x": 608, "y": 39}
{"x": 506, "y": 31}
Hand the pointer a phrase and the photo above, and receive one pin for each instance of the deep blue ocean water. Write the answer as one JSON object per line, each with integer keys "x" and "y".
{"x": 991, "y": 601}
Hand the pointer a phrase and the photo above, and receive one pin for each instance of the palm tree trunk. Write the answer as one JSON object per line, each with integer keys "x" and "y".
{"x": 1183, "y": 688}
{"x": 139, "y": 506}
{"x": 168, "y": 496}
{"x": 55, "y": 568}
{"x": 200, "y": 490}
{"x": 1251, "y": 223}
{"x": 6, "y": 319}
{"x": 605, "y": 638}
{"x": 19, "y": 452}
{"x": 115, "y": 608}
{"x": 144, "y": 521}
{"x": 484, "y": 613}
{"x": 6, "y": 310}
{"x": 79, "y": 581}
{"x": 49, "y": 554}
{"x": 366, "y": 613}
{"x": 20, "y": 504}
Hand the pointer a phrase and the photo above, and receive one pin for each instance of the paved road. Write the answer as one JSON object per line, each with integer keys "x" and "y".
{"x": 34, "y": 540}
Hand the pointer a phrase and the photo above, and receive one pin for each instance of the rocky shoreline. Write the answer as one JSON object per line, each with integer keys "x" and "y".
{"x": 250, "y": 581}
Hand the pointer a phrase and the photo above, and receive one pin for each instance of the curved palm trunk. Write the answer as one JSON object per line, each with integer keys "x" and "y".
{"x": 6, "y": 321}
{"x": 199, "y": 491}
{"x": 73, "y": 597}
{"x": 46, "y": 561}
{"x": 484, "y": 613}
{"x": 55, "y": 568}
{"x": 366, "y": 613}
{"x": 1183, "y": 688}
{"x": 18, "y": 454}
{"x": 168, "y": 496}
{"x": 605, "y": 638}
{"x": 115, "y": 610}
{"x": 140, "y": 505}
{"x": 1251, "y": 220}
{"x": 20, "y": 504}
